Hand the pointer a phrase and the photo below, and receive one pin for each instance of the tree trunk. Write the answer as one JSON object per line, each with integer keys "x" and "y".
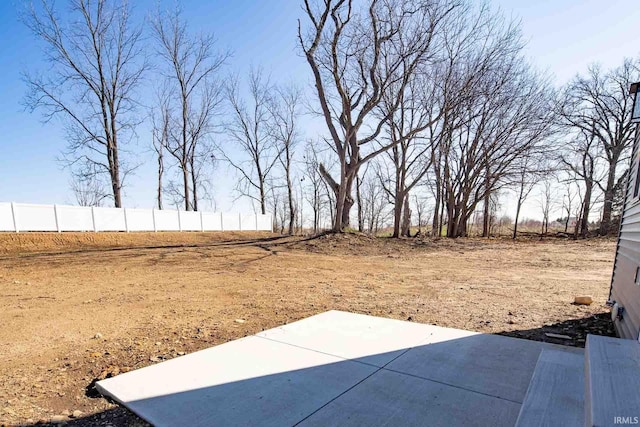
{"x": 486, "y": 223}
{"x": 292, "y": 209}
{"x": 194, "y": 187}
{"x": 486, "y": 220}
{"x": 185, "y": 181}
{"x": 584, "y": 222}
{"x": 359, "y": 198}
{"x": 435, "y": 225}
{"x": 406, "y": 219}
{"x": 397, "y": 214}
{"x": 441, "y": 220}
{"x": 115, "y": 179}
{"x": 160, "y": 173}
{"x": 515, "y": 223}
{"x": 605, "y": 225}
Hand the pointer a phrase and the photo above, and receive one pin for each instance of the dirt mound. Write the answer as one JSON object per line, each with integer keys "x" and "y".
{"x": 354, "y": 243}
{"x": 29, "y": 243}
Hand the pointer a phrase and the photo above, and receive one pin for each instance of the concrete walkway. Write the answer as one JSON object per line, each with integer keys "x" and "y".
{"x": 338, "y": 368}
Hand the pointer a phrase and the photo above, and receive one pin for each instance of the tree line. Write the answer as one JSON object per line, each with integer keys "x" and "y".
{"x": 430, "y": 113}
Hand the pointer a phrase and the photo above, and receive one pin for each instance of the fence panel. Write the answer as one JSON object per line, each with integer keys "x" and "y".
{"x": 211, "y": 221}
{"x": 35, "y": 217}
{"x": 139, "y": 219}
{"x": 190, "y": 221}
{"x": 264, "y": 222}
{"x": 248, "y": 222}
{"x": 31, "y": 217}
{"x": 109, "y": 219}
{"x": 74, "y": 218}
{"x": 6, "y": 217}
{"x": 230, "y": 222}
{"x": 167, "y": 220}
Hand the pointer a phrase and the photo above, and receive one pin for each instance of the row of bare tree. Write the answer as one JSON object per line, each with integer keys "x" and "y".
{"x": 421, "y": 100}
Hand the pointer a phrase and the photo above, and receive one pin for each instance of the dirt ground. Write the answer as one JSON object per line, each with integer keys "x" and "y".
{"x": 76, "y": 307}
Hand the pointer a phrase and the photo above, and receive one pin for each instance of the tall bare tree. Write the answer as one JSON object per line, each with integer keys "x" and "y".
{"x": 356, "y": 57}
{"x": 599, "y": 103}
{"x": 547, "y": 203}
{"x": 505, "y": 118}
{"x": 191, "y": 65}
{"x": 285, "y": 111}
{"x": 525, "y": 180}
{"x": 96, "y": 63}
{"x": 581, "y": 160}
{"x": 567, "y": 204}
{"x": 409, "y": 158}
{"x": 160, "y": 132}
{"x": 313, "y": 183}
{"x": 250, "y": 131}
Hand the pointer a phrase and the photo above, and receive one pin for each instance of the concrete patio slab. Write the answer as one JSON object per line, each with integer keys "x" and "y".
{"x": 491, "y": 364}
{"x": 367, "y": 339}
{"x": 251, "y": 381}
{"x": 393, "y": 399}
{"x": 338, "y": 368}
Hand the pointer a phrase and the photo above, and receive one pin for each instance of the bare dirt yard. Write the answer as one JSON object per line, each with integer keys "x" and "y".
{"x": 80, "y": 307}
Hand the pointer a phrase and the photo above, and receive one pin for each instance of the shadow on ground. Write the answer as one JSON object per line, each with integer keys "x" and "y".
{"x": 110, "y": 418}
{"x": 575, "y": 329}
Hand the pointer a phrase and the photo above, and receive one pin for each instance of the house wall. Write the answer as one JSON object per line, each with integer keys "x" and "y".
{"x": 625, "y": 282}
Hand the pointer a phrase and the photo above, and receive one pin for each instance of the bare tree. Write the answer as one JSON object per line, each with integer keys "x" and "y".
{"x": 356, "y": 57}
{"x": 161, "y": 118}
{"x": 89, "y": 190}
{"x": 567, "y": 204}
{"x": 96, "y": 64}
{"x": 527, "y": 176}
{"x": 599, "y": 103}
{"x": 285, "y": 109}
{"x": 313, "y": 179}
{"x": 191, "y": 65}
{"x": 581, "y": 161}
{"x": 421, "y": 212}
{"x": 410, "y": 153}
{"x": 374, "y": 203}
{"x": 249, "y": 129}
{"x": 547, "y": 203}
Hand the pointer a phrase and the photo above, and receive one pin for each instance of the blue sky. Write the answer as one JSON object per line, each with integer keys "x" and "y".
{"x": 564, "y": 37}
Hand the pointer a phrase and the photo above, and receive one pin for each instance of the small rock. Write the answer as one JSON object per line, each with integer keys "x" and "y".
{"x": 585, "y": 300}
{"x": 66, "y": 413}
{"x": 154, "y": 359}
{"x": 559, "y": 336}
{"x": 97, "y": 336}
{"x": 59, "y": 419}
{"x": 240, "y": 320}
{"x": 158, "y": 343}
{"x": 77, "y": 413}
{"x": 181, "y": 353}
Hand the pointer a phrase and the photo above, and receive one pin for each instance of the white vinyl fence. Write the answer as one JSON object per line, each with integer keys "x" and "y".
{"x": 18, "y": 217}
